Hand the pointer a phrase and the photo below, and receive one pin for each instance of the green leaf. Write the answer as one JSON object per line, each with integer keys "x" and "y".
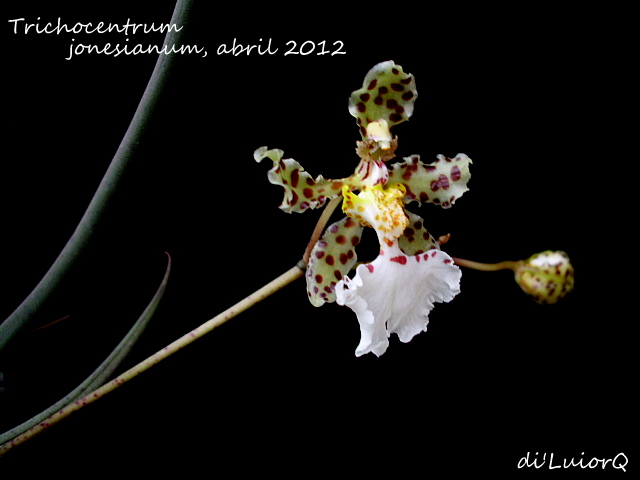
{"x": 104, "y": 371}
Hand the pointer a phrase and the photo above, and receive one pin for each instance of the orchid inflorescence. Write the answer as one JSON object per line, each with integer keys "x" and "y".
{"x": 395, "y": 292}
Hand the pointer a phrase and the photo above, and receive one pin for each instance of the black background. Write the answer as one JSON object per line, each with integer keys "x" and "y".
{"x": 535, "y": 97}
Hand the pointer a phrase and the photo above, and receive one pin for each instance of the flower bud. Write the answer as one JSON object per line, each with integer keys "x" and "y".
{"x": 547, "y": 276}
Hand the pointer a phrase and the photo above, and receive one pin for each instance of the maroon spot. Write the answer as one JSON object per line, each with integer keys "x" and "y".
{"x": 310, "y": 181}
{"x": 338, "y": 274}
{"x": 396, "y": 87}
{"x": 295, "y": 177}
{"x": 399, "y": 109}
{"x": 409, "y": 232}
{"x": 425, "y": 256}
{"x": 378, "y": 100}
{"x": 328, "y": 289}
{"x": 395, "y": 71}
{"x": 304, "y": 205}
{"x": 395, "y": 117}
{"x": 344, "y": 258}
{"x": 434, "y": 253}
{"x": 402, "y": 260}
{"x": 365, "y": 97}
{"x": 341, "y": 239}
{"x": 373, "y": 84}
{"x": 406, "y": 96}
{"x": 442, "y": 182}
{"x": 392, "y": 103}
{"x": 307, "y": 192}
{"x": 349, "y": 223}
{"x": 355, "y": 240}
{"x": 361, "y": 107}
{"x": 334, "y": 228}
{"x": 318, "y": 278}
{"x": 455, "y": 173}
{"x": 406, "y": 81}
{"x": 369, "y": 267}
{"x": 383, "y": 90}
{"x": 424, "y": 197}
{"x": 294, "y": 198}
{"x": 319, "y": 254}
{"x": 447, "y": 261}
{"x": 330, "y": 260}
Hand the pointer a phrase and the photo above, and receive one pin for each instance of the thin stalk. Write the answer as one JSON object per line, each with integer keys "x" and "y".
{"x": 260, "y": 294}
{"x": 104, "y": 371}
{"x": 486, "y": 267}
{"x": 322, "y": 222}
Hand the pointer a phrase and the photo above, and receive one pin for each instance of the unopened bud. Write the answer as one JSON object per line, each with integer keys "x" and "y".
{"x": 547, "y": 276}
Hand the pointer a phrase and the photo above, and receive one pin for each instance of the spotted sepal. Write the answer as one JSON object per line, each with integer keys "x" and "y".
{"x": 332, "y": 258}
{"x": 301, "y": 191}
{"x": 387, "y": 93}
{"x": 441, "y": 182}
{"x": 415, "y": 238}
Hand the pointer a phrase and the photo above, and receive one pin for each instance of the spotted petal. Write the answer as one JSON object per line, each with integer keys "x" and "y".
{"x": 387, "y": 93}
{"x": 301, "y": 191}
{"x": 395, "y": 293}
{"x": 331, "y": 259}
{"x": 441, "y": 182}
{"x": 416, "y": 239}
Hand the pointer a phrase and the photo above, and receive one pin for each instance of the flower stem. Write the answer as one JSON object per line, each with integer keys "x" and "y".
{"x": 486, "y": 267}
{"x": 260, "y": 294}
{"x": 322, "y": 222}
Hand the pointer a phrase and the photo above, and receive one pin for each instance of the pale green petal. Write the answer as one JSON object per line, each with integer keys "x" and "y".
{"x": 441, "y": 182}
{"x": 301, "y": 191}
{"x": 331, "y": 259}
{"x": 416, "y": 239}
{"x": 387, "y": 93}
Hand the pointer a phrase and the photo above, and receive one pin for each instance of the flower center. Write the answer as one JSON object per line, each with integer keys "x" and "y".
{"x": 379, "y": 208}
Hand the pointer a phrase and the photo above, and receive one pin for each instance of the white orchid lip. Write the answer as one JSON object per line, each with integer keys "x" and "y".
{"x": 395, "y": 293}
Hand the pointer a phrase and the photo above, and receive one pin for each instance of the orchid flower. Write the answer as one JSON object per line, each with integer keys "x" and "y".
{"x": 395, "y": 292}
